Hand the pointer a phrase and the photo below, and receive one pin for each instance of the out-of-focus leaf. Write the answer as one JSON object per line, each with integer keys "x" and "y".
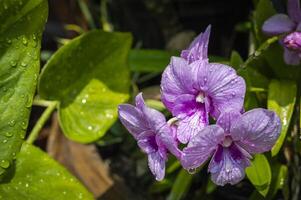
{"x": 37, "y": 176}
{"x": 264, "y": 9}
{"x": 158, "y": 105}
{"x": 180, "y": 186}
{"x": 160, "y": 186}
{"x": 21, "y": 27}
{"x": 259, "y": 173}
{"x": 89, "y": 77}
{"x": 149, "y": 60}
{"x": 279, "y": 174}
{"x": 210, "y": 187}
{"x": 281, "y": 99}
{"x": 235, "y": 60}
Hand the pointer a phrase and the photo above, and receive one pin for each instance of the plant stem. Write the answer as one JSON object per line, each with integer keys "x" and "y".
{"x": 40, "y": 123}
{"x": 264, "y": 46}
{"x": 86, "y": 12}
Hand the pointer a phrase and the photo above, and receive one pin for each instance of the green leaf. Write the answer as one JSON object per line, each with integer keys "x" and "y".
{"x": 235, "y": 60}
{"x": 281, "y": 99}
{"x": 259, "y": 173}
{"x": 90, "y": 78}
{"x": 21, "y": 27}
{"x": 180, "y": 186}
{"x": 37, "y": 176}
{"x": 147, "y": 60}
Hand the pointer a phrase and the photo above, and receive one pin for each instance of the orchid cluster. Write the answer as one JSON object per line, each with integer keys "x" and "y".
{"x": 195, "y": 90}
{"x": 288, "y": 27}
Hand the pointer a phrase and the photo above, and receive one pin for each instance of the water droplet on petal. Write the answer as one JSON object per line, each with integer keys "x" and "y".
{"x": 192, "y": 171}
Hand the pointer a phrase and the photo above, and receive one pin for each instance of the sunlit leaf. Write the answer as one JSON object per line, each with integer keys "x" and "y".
{"x": 21, "y": 26}
{"x": 180, "y": 186}
{"x": 281, "y": 99}
{"x": 90, "y": 78}
{"x": 259, "y": 173}
{"x": 37, "y": 176}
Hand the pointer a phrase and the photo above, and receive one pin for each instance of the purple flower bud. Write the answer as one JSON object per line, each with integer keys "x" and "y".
{"x": 293, "y": 41}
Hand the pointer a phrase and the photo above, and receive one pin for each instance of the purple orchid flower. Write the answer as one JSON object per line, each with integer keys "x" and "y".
{"x": 290, "y": 27}
{"x": 192, "y": 88}
{"x": 231, "y": 142}
{"x": 154, "y": 136}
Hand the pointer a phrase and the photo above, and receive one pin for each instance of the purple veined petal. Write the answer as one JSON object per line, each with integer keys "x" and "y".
{"x": 227, "y": 118}
{"x": 278, "y": 24}
{"x": 257, "y": 130}
{"x": 157, "y": 165}
{"x": 147, "y": 142}
{"x": 298, "y": 27}
{"x": 185, "y": 105}
{"x": 293, "y": 9}
{"x": 198, "y": 49}
{"x": 291, "y": 57}
{"x": 132, "y": 119}
{"x": 152, "y": 117}
{"x": 176, "y": 80}
{"x": 202, "y": 146}
{"x": 191, "y": 125}
{"x": 167, "y": 138}
{"x": 224, "y": 88}
{"x": 228, "y": 165}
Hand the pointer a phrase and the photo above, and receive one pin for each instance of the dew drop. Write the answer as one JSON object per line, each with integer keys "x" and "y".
{"x": 24, "y": 41}
{"x": 13, "y": 63}
{"x": 8, "y": 41}
{"x": 90, "y": 128}
{"x": 12, "y": 123}
{"x": 233, "y": 94}
{"x": 84, "y": 101}
{"x": 4, "y": 164}
{"x": 23, "y": 64}
{"x": 8, "y": 134}
{"x": 4, "y": 141}
{"x": 192, "y": 171}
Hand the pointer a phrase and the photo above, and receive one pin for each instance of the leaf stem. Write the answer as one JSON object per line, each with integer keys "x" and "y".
{"x": 40, "y": 123}
{"x": 264, "y": 46}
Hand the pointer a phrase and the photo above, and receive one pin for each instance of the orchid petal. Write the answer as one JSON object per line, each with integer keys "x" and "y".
{"x": 176, "y": 80}
{"x": 198, "y": 49}
{"x": 257, "y": 130}
{"x": 227, "y": 118}
{"x": 224, "y": 88}
{"x": 293, "y": 9}
{"x": 132, "y": 119}
{"x": 202, "y": 146}
{"x": 291, "y": 57}
{"x": 228, "y": 165}
{"x": 278, "y": 24}
{"x": 157, "y": 165}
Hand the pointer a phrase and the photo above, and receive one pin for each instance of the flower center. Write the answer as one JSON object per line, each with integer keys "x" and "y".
{"x": 293, "y": 41}
{"x": 227, "y": 141}
{"x": 200, "y": 98}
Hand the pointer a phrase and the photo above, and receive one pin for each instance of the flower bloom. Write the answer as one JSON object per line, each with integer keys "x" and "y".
{"x": 231, "y": 143}
{"x": 290, "y": 27}
{"x": 154, "y": 136}
{"x": 192, "y": 88}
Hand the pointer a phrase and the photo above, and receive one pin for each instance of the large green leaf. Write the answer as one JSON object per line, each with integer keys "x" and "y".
{"x": 89, "y": 77}
{"x": 259, "y": 173}
{"x": 180, "y": 186}
{"x": 149, "y": 60}
{"x": 281, "y": 99}
{"x": 21, "y": 26}
{"x": 38, "y": 177}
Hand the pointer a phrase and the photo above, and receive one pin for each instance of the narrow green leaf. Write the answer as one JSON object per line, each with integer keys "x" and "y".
{"x": 180, "y": 186}
{"x": 37, "y": 176}
{"x": 235, "y": 60}
{"x": 90, "y": 78}
{"x": 281, "y": 99}
{"x": 21, "y": 27}
{"x": 279, "y": 175}
{"x": 259, "y": 173}
{"x": 147, "y": 60}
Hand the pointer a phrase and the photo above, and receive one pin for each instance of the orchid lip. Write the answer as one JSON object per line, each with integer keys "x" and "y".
{"x": 200, "y": 98}
{"x": 227, "y": 141}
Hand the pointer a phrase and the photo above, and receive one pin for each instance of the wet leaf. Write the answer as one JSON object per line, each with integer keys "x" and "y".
{"x": 37, "y": 176}
{"x": 90, "y": 78}
{"x": 259, "y": 173}
{"x": 21, "y": 26}
{"x": 281, "y": 99}
{"x": 180, "y": 186}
